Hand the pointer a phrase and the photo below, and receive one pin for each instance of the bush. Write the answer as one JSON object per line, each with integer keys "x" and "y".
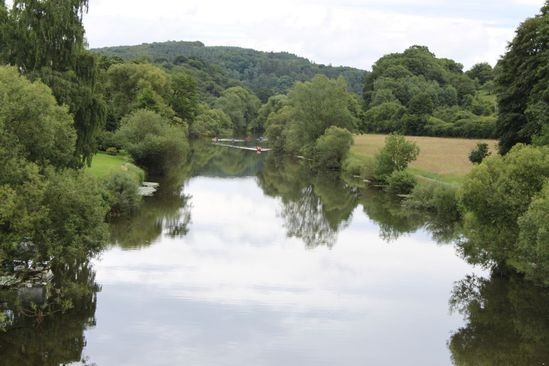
{"x": 400, "y": 182}
{"x": 122, "y": 194}
{"x": 153, "y": 142}
{"x": 395, "y": 156}
{"x": 439, "y": 198}
{"x": 107, "y": 139}
{"x": 112, "y": 151}
{"x": 479, "y": 153}
{"x": 331, "y": 148}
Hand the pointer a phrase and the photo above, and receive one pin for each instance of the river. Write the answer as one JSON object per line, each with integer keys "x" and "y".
{"x": 242, "y": 261}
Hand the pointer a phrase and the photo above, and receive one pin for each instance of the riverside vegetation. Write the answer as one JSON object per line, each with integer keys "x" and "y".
{"x": 61, "y": 104}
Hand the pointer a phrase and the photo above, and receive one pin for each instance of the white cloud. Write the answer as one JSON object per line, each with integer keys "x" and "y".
{"x": 351, "y": 32}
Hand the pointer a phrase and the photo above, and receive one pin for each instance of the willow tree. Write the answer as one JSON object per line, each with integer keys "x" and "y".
{"x": 45, "y": 39}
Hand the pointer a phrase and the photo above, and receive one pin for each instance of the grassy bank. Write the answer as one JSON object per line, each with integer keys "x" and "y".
{"x": 104, "y": 165}
{"x": 440, "y": 159}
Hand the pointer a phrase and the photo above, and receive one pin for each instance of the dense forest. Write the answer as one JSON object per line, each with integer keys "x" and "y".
{"x": 265, "y": 73}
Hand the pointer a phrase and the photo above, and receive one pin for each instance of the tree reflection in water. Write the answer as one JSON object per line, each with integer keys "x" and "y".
{"x": 52, "y": 331}
{"x": 507, "y": 321}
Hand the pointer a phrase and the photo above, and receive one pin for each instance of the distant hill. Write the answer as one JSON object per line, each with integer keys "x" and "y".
{"x": 265, "y": 73}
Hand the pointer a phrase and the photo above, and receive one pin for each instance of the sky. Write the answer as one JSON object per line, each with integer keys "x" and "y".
{"x": 346, "y": 32}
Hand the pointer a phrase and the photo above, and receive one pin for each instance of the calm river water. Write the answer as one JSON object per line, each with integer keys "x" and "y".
{"x": 249, "y": 262}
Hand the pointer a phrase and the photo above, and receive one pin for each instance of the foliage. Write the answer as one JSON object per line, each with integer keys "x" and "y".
{"x": 438, "y": 198}
{"x": 265, "y": 73}
{"x": 405, "y": 90}
{"x": 184, "y": 99}
{"x": 479, "y": 153}
{"x": 522, "y": 79}
{"x": 313, "y": 107}
{"x": 400, "y": 182}
{"x": 395, "y": 156}
{"x": 533, "y": 243}
{"x": 241, "y": 106}
{"x": 133, "y": 86}
{"x": 122, "y": 194}
{"x": 31, "y": 122}
{"x": 152, "y": 141}
{"x": 481, "y": 72}
{"x": 273, "y": 105}
{"x": 45, "y": 39}
{"x": 210, "y": 123}
{"x": 495, "y": 195}
{"x": 331, "y": 149}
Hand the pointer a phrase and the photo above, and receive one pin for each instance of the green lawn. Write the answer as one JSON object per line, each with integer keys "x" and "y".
{"x": 104, "y": 165}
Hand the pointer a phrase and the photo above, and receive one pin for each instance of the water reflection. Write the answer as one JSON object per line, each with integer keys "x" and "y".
{"x": 507, "y": 321}
{"x": 232, "y": 284}
{"x": 50, "y": 330}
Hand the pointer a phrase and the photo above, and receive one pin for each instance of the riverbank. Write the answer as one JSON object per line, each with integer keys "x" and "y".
{"x": 440, "y": 159}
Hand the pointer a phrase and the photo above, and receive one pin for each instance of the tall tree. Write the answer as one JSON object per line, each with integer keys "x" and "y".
{"x": 45, "y": 39}
{"x": 522, "y": 78}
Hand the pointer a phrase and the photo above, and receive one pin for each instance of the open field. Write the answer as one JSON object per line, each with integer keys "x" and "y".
{"x": 439, "y": 158}
{"x": 104, "y": 164}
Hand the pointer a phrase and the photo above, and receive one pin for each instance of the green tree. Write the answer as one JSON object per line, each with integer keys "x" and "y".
{"x": 210, "y": 123}
{"x": 331, "y": 148}
{"x": 153, "y": 142}
{"x": 133, "y": 86}
{"x": 479, "y": 153}
{"x": 395, "y": 156}
{"x": 184, "y": 99}
{"x": 482, "y": 72}
{"x": 32, "y": 125}
{"x": 241, "y": 106}
{"x": 533, "y": 243}
{"x": 522, "y": 77}
{"x": 313, "y": 107}
{"x": 494, "y": 196}
{"x": 45, "y": 39}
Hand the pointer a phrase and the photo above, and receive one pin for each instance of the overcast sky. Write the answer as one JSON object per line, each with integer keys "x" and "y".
{"x": 346, "y": 32}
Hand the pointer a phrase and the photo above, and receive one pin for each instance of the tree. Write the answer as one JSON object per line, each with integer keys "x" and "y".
{"x": 482, "y": 72}
{"x": 494, "y": 196}
{"x": 478, "y": 154}
{"x": 522, "y": 77}
{"x": 533, "y": 243}
{"x": 184, "y": 99}
{"x": 395, "y": 156}
{"x": 45, "y": 39}
{"x": 133, "y": 86}
{"x": 210, "y": 123}
{"x": 331, "y": 148}
{"x": 32, "y": 125}
{"x": 314, "y": 106}
{"x": 46, "y": 34}
{"x": 153, "y": 142}
{"x": 241, "y": 106}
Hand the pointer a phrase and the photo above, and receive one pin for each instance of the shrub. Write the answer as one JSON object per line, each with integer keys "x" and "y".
{"x": 112, "y": 150}
{"x": 122, "y": 194}
{"x": 439, "y": 198}
{"x": 331, "y": 148}
{"x": 106, "y": 139}
{"x": 153, "y": 142}
{"x": 395, "y": 156}
{"x": 400, "y": 182}
{"x": 479, "y": 153}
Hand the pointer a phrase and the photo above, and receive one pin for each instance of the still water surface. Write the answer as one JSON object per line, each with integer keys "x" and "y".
{"x": 242, "y": 260}
{"x": 237, "y": 290}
